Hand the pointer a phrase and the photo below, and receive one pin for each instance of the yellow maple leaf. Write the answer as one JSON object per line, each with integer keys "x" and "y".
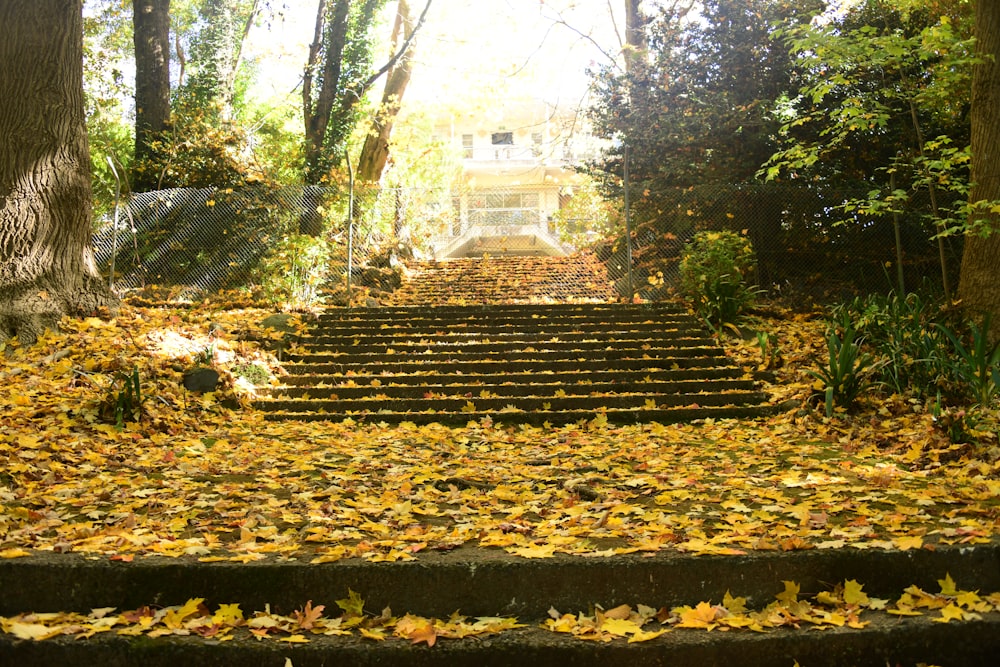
{"x": 15, "y": 552}
{"x": 175, "y": 616}
{"x": 950, "y": 613}
{"x": 228, "y": 614}
{"x": 853, "y": 593}
{"x": 620, "y": 627}
{"x": 908, "y": 542}
{"x": 947, "y": 585}
{"x": 534, "y": 551}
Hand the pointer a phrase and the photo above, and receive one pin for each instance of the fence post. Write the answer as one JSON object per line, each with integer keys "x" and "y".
{"x": 350, "y": 228}
{"x": 114, "y": 225}
{"x": 628, "y": 226}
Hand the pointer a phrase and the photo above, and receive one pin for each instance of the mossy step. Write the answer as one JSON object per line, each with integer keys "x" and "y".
{"x": 595, "y": 376}
{"x": 509, "y": 389}
{"x": 501, "y": 366}
{"x": 536, "y": 417}
{"x": 662, "y": 355}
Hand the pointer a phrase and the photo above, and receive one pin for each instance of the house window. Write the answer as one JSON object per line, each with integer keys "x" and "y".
{"x": 467, "y": 146}
{"x": 505, "y": 208}
{"x": 536, "y": 144}
{"x": 503, "y": 138}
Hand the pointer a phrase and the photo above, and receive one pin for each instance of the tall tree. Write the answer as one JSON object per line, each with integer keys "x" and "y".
{"x": 635, "y": 34}
{"x": 151, "y": 27}
{"x": 340, "y": 51}
{"x": 339, "y": 73}
{"x": 216, "y": 52}
{"x": 700, "y": 107}
{"x": 47, "y": 267}
{"x": 979, "y": 287}
{"x": 375, "y": 152}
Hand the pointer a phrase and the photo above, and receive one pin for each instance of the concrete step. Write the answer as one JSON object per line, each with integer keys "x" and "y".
{"x": 484, "y": 582}
{"x": 569, "y": 362}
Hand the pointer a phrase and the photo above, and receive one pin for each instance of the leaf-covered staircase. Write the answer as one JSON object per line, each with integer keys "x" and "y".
{"x": 510, "y": 358}
{"x": 530, "y": 279}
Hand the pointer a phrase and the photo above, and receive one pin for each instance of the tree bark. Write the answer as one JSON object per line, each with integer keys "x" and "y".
{"x": 328, "y": 44}
{"x": 47, "y": 267}
{"x": 151, "y": 28}
{"x": 375, "y": 152}
{"x": 979, "y": 288}
{"x": 217, "y": 53}
{"x": 635, "y": 36}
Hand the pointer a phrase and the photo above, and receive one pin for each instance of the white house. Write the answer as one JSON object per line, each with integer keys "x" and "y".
{"x": 517, "y": 171}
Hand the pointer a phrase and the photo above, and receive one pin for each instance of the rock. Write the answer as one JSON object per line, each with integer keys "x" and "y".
{"x": 278, "y": 322}
{"x": 201, "y": 379}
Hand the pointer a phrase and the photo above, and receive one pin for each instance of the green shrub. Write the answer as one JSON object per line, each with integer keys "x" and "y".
{"x": 910, "y": 351}
{"x": 715, "y": 270}
{"x": 975, "y": 365}
{"x": 123, "y": 400}
{"x": 293, "y": 273}
{"x": 845, "y": 375}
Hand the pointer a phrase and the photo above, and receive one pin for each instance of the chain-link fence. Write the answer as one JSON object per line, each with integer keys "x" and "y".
{"x": 205, "y": 240}
{"x": 806, "y": 245}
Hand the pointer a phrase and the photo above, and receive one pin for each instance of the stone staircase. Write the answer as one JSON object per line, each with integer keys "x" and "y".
{"x": 495, "y": 355}
{"x": 570, "y": 279}
{"x": 514, "y": 340}
{"x": 554, "y": 363}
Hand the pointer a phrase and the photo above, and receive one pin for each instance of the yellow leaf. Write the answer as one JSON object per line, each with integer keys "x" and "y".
{"x": 175, "y": 617}
{"x": 294, "y": 639}
{"x": 15, "y": 552}
{"x": 643, "y": 636}
{"x": 33, "y": 631}
{"x": 228, "y": 614}
{"x": 949, "y": 613}
{"x": 790, "y": 594}
{"x": 909, "y": 542}
{"x": 853, "y": 593}
{"x": 534, "y": 551}
{"x": 947, "y": 585}
{"x": 620, "y": 627}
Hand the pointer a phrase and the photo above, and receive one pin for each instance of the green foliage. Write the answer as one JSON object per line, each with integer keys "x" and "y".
{"x": 770, "y": 352}
{"x": 107, "y": 44}
{"x": 586, "y": 216}
{"x": 883, "y": 100}
{"x": 698, "y": 110}
{"x": 293, "y": 274}
{"x": 253, "y": 373}
{"x": 844, "y": 376}
{"x": 123, "y": 401}
{"x": 976, "y": 364}
{"x": 714, "y": 272}
{"x": 199, "y": 151}
{"x": 900, "y": 331}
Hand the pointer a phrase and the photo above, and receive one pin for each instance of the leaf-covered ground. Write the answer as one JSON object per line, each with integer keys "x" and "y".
{"x": 202, "y": 476}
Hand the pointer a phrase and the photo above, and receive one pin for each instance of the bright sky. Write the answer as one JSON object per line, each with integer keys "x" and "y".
{"x": 493, "y": 45}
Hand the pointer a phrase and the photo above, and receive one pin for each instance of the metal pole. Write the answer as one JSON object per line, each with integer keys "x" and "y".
{"x": 114, "y": 227}
{"x": 628, "y": 227}
{"x": 350, "y": 229}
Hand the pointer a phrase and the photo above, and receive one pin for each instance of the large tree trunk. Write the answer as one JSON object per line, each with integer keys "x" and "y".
{"x": 979, "y": 287}
{"x": 375, "y": 152}
{"x": 217, "y": 52}
{"x": 151, "y": 28}
{"x": 323, "y": 67}
{"x": 47, "y": 267}
{"x": 635, "y": 35}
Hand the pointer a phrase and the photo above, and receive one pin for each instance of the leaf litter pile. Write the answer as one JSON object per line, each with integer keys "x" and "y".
{"x": 202, "y": 477}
